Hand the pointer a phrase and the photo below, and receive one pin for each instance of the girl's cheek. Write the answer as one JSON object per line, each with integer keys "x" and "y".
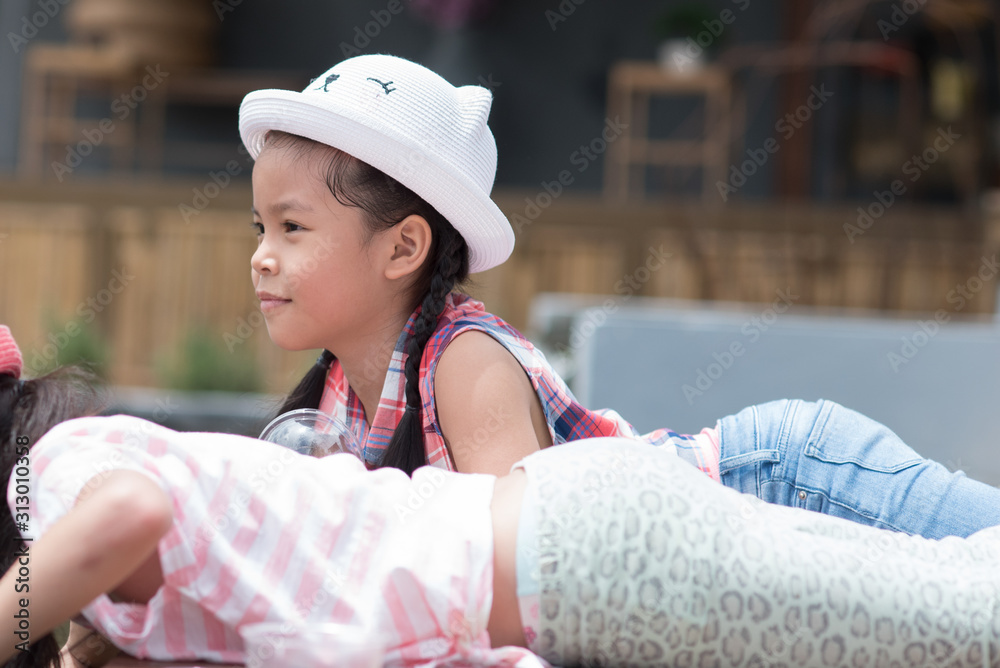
{"x": 297, "y": 277}
{"x": 303, "y": 273}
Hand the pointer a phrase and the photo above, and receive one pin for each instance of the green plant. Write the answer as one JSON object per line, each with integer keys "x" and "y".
{"x": 696, "y": 24}
{"x": 71, "y": 343}
{"x": 683, "y": 21}
{"x": 203, "y": 363}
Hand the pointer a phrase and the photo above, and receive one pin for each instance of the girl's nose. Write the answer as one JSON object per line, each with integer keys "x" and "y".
{"x": 262, "y": 261}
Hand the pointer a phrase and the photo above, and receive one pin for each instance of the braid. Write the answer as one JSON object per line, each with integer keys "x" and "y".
{"x": 309, "y": 391}
{"x": 406, "y": 449}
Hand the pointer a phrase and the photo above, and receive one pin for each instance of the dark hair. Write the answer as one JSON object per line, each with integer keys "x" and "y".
{"x": 384, "y": 202}
{"x": 27, "y": 410}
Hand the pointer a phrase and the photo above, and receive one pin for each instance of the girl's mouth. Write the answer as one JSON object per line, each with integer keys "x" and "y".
{"x": 267, "y": 305}
{"x": 269, "y": 302}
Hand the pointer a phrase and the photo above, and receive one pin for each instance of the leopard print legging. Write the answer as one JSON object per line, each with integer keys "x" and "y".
{"x": 644, "y": 561}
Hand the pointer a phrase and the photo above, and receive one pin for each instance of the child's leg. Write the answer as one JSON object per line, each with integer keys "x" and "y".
{"x": 824, "y": 457}
{"x": 644, "y": 561}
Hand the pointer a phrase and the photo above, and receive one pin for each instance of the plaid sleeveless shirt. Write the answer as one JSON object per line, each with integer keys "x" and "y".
{"x": 567, "y": 419}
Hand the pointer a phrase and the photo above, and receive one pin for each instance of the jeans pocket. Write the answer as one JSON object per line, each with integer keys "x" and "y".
{"x": 728, "y": 464}
{"x": 843, "y": 436}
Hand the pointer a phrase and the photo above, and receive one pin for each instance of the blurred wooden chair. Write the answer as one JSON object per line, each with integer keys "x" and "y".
{"x": 631, "y": 87}
{"x": 69, "y": 87}
{"x": 53, "y": 128}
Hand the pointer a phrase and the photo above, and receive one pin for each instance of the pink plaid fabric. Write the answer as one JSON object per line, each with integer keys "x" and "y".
{"x": 264, "y": 534}
{"x": 567, "y": 419}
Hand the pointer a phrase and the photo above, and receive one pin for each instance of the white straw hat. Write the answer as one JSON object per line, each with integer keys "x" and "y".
{"x": 407, "y": 122}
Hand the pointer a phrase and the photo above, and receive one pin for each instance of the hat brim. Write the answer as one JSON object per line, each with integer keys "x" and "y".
{"x": 476, "y": 217}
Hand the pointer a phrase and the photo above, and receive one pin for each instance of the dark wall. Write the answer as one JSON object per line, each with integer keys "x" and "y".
{"x": 548, "y": 71}
{"x": 549, "y": 84}
{"x": 547, "y": 62}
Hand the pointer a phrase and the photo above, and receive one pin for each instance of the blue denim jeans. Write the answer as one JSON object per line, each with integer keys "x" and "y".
{"x": 824, "y": 457}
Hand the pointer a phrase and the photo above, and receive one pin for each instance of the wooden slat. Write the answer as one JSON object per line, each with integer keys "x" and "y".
{"x": 59, "y": 247}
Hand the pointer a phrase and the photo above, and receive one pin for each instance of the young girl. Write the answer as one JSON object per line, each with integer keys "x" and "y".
{"x": 371, "y": 203}
{"x": 170, "y": 544}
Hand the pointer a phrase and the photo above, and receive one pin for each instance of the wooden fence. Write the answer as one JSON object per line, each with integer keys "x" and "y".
{"x": 121, "y": 262}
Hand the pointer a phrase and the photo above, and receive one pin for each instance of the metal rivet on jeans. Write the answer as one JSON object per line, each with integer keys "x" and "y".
{"x": 802, "y": 495}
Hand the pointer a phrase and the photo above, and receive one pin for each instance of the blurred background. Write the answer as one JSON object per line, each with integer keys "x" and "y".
{"x": 845, "y": 152}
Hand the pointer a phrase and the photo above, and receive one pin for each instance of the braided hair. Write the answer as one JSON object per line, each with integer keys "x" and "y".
{"x": 384, "y": 202}
{"x": 28, "y": 409}
{"x": 406, "y": 449}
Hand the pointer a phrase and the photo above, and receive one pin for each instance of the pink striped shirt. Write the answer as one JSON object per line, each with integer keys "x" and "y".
{"x": 263, "y": 534}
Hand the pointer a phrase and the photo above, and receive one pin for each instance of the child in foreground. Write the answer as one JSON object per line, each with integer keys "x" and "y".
{"x": 371, "y": 202}
{"x": 603, "y": 551}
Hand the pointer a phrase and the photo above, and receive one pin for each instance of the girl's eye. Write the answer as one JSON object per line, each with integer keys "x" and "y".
{"x": 258, "y": 228}
{"x": 292, "y": 227}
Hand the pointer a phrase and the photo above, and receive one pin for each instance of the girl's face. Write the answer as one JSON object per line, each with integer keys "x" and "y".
{"x": 313, "y": 270}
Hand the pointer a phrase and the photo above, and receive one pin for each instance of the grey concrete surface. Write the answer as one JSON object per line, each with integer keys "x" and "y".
{"x": 683, "y": 365}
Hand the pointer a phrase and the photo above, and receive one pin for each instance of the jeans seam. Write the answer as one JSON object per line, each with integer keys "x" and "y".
{"x": 785, "y": 429}
{"x": 868, "y": 466}
{"x": 825, "y": 411}
{"x": 872, "y": 518}
{"x": 768, "y": 456}
{"x": 756, "y": 447}
{"x": 812, "y": 450}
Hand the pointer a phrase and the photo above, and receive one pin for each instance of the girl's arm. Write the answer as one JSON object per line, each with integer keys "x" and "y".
{"x": 489, "y": 413}
{"x": 104, "y": 538}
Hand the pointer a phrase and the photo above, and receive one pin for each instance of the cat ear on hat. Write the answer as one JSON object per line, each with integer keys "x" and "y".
{"x": 476, "y": 102}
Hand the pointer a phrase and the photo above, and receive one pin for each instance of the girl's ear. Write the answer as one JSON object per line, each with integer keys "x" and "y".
{"x": 408, "y": 244}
